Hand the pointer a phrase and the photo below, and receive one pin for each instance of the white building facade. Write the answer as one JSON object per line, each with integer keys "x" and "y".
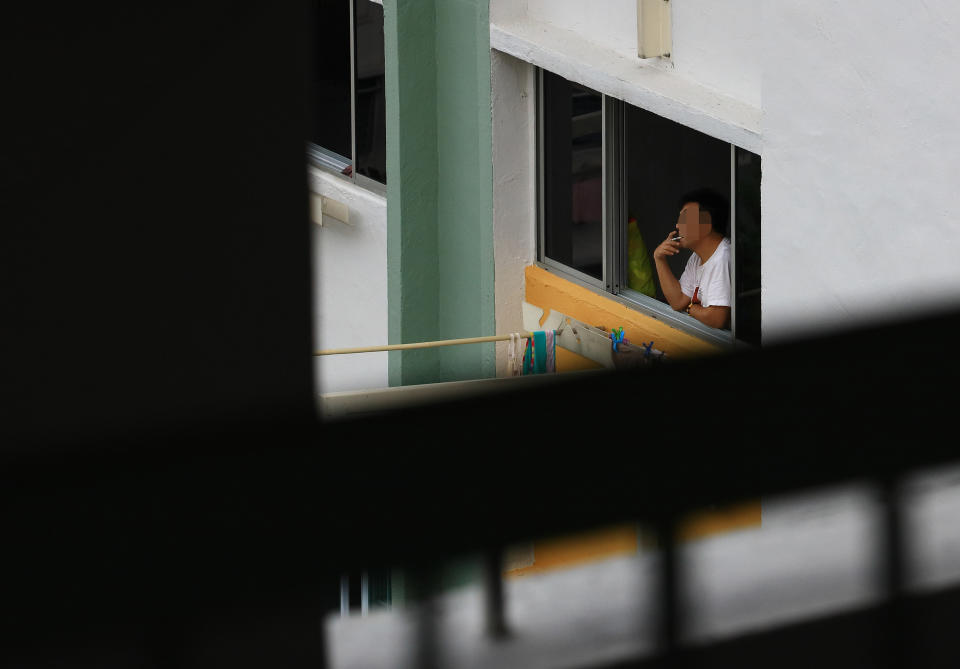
{"x": 850, "y": 107}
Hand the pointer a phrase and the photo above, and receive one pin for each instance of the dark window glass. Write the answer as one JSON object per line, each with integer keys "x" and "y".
{"x": 663, "y": 161}
{"x": 748, "y": 247}
{"x": 331, "y": 125}
{"x": 371, "y": 118}
{"x": 573, "y": 175}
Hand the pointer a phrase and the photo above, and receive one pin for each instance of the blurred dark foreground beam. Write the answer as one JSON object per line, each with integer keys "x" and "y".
{"x": 265, "y": 515}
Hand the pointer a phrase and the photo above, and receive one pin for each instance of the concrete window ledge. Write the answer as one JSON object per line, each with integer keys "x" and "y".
{"x": 357, "y": 403}
{"x": 324, "y": 181}
{"x": 650, "y": 84}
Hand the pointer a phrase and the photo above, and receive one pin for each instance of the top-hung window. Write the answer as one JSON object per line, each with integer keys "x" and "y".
{"x": 610, "y": 178}
{"x": 349, "y": 125}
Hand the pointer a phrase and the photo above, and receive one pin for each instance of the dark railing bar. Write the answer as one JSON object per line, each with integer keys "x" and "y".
{"x": 669, "y": 608}
{"x": 426, "y": 584}
{"x": 495, "y": 619}
{"x": 894, "y": 645}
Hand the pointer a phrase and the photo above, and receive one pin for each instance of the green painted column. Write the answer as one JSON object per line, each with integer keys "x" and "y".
{"x": 439, "y": 187}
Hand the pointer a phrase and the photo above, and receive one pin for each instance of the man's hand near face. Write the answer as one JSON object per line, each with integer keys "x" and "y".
{"x": 667, "y": 247}
{"x": 668, "y": 282}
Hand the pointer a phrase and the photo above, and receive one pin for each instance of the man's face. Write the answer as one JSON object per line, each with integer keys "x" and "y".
{"x": 693, "y": 224}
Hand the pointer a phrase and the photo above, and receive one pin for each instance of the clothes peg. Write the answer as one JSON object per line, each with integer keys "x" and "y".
{"x": 616, "y": 336}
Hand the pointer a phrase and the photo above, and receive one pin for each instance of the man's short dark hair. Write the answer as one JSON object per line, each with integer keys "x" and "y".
{"x": 711, "y": 201}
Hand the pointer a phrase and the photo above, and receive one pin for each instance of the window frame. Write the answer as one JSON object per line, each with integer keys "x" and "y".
{"x": 330, "y": 161}
{"x": 614, "y": 285}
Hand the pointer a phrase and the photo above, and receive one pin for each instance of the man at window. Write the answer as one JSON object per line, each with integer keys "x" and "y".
{"x": 703, "y": 290}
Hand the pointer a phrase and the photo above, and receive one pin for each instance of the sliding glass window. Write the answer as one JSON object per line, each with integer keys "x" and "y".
{"x": 371, "y": 119}
{"x": 349, "y": 122}
{"x": 612, "y": 177}
{"x": 573, "y": 176}
{"x": 332, "y": 129}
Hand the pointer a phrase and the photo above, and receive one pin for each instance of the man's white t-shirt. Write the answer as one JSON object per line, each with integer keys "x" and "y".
{"x": 711, "y": 280}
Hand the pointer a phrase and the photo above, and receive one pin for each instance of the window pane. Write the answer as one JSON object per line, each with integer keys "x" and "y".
{"x": 371, "y": 119}
{"x": 331, "y": 123}
{"x": 748, "y": 247}
{"x": 573, "y": 175}
{"x": 665, "y": 160}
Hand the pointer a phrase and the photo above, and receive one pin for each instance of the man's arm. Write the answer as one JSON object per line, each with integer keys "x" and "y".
{"x": 668, "y": 282}
{"x": 715, "y": 316}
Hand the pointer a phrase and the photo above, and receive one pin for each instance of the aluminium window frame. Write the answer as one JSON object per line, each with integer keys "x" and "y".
{"x": 615, "y": 262}
{"x": 330, "y": 161}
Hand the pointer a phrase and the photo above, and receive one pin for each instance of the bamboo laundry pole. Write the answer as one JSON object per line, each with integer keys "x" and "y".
{"x": 420, "y": 344}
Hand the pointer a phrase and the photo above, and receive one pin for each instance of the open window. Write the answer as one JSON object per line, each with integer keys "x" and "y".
{"x": 349, "y": 125}
{"x": 610, "y": 178}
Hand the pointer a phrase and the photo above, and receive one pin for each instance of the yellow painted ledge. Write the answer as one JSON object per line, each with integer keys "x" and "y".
{"x": 549, "y": 291}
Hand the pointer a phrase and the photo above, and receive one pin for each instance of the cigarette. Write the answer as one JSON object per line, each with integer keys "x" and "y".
{"x": 676, "y": 239}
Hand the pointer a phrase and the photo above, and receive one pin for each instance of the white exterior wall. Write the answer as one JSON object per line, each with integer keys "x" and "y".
{"x": 861, "y": 150}
{"x": 719, "y": 45}
{"x": 350, "y": 287}
{"x": 611, "y": 23}
{"x": 716, "y": 44}
{"x": 514, "y": 190}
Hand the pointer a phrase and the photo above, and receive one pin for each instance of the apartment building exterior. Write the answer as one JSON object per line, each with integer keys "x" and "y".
{"x": 851, "y": 141}
{"x": 522, "y": 139}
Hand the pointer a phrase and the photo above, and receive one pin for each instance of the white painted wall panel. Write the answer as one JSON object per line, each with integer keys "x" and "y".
{"x": 861, "y": 149}
{"x": 715, "y": 44}
{"x": 507, "y": 10}
{"x": 610, "y": 23}
{"x": 719, "y": 45}
{"x": 350, "y": 287}
{"x": 514, "y": 188}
